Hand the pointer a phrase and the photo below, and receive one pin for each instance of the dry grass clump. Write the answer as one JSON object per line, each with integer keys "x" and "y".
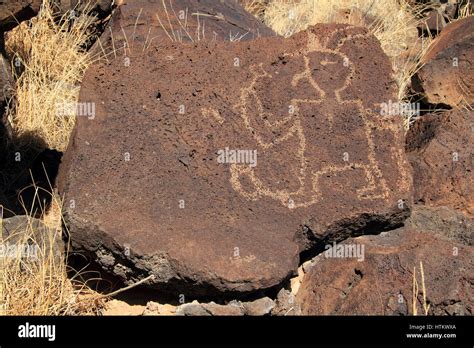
{"x": 35, "y": 281}
{"x": 256, "y": 7}
{"x": 48, "y": 64}
{"x": 415, "y": 293}
{"x": 465, "y": 10}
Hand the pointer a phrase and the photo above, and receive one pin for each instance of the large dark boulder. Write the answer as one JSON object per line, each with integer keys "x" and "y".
{"x": 151, "y": 185}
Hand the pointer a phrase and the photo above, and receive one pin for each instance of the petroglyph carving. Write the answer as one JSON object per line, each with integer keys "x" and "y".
{"x": 271, "y": 130}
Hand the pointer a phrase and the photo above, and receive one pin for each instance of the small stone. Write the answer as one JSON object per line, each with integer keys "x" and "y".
{"x": 223, "y": 310}
{"x": 154, "y": 308}
{"x": 286, "y": 304}
{"x": 262, "y": 306}
{"x": 192, "y": 309}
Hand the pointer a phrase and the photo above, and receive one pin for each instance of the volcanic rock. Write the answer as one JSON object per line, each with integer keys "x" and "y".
{"x": 446, "y": 8}
{"x": 100, "y": 7}
{"x": 231, "y": 309}
{"x": 192, "y": 310}
{"x": 440, "y": 150}
{"x": 27, "y": 234}
{"x": 6, "y": 81}
{"x": 434, "y": 22}
{"x": 285, "y": 304}
{"x": 382, "y": 284}
{"x": 213, "y": 165}
{"x": 207, "y": 309}
{"x": 445, "y": 222}
{"x": 447, "y": 74}
{"x": 262, "y": 306}
{"x": 14, "y": 12}
{"x": 140, "y": 23}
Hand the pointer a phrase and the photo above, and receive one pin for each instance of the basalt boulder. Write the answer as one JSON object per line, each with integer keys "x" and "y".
{"x": 440, "y": 149}
{"x": 213, "y": 165}
{"x": 447, "y": 73}
{"x": 381, "y": 282}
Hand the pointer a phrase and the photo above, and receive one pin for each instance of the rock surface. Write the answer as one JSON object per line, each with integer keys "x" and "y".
{"x": 153, "y": 308}
{"x": 445, "y": 222}
{"x": 138, "y": 23}
{"x": 382, "y": 283}
{"x": 262, "y": 306}
{"x": 433, "y": 22}
{"x": 13, "y": 12}
{"x": 447, "y": 74}
{"x": 6, "y": 81}
{"x": 99, "y": 6}
{"x": 259, "y": 307}
{"x": 151, "y": 185}
{"x": 285, "y": 304}
{"x": 441, "y": 152}
{"x": 20, "y": 230}
{"x": 192, "y": 310}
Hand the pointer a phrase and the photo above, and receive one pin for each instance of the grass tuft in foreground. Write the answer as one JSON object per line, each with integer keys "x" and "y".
{"x": 49, "y": 62}
{"x": 34, "y": 276}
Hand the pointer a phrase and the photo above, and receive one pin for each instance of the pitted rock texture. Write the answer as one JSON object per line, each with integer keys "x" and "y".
{"x": 441, "y": 152}
{"x": 447, "y": 72}
{"x": 152, "y": 185}
{"x": 382, "y": 283}
{"x": 140, "y": 23}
